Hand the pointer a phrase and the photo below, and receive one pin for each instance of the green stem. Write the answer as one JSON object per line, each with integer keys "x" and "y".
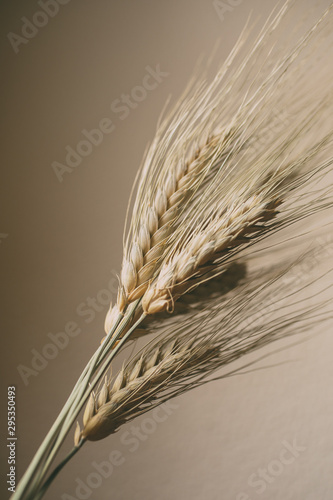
{"x": 33, "y": 469}
{"x": 34, "y": 475}
{"x": 56, "y": 471}
{"x": 86, "y": 389}
{"x": 72, "y": 416}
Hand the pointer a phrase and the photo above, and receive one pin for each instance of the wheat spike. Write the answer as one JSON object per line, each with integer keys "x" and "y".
{"x": 235, "y": 183}
{"x": 137, "y": 379}
{"x": 192, "y": 349}
{"x": 156, "y": 224}
{"x": 216, "y": 242}
{"x": 163, "y": 209}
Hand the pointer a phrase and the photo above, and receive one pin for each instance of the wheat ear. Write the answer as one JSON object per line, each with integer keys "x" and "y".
{"x": 157, "y": 222}
{"x": 216, "y": 242}
{"x": 189, "y": 351}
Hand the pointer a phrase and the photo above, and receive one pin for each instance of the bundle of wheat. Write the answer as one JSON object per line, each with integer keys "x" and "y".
{"x": 210, "y": 194}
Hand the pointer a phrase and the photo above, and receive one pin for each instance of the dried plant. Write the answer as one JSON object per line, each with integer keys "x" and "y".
{"x": 210, "y": 195}
{"x": 186, "y": 353}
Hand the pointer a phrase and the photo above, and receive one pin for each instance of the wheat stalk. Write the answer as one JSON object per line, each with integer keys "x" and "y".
{"x": 208, "y": 191}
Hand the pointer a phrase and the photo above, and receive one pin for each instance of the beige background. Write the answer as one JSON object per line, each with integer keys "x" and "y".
{"x": 64, "y": 244}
